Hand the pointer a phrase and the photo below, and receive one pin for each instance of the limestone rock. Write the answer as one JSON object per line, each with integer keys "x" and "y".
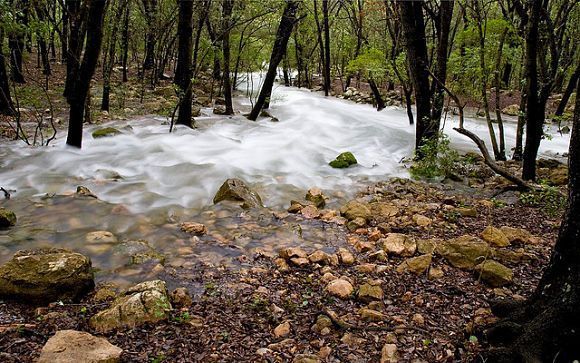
{"x": 517, "y": 235}
{"x": 291, "y": 252}
{"x": 105, "y": 132}
{"x": 100, "y": 237}
{"x": 389, "y": 354}
{"x": 464, "y": 252}
{"x": 427, "y": 246}
{"x": 355, "y": 209}
{"x": 421, "y": 220}
{"x": 46, "y": 275}
{"x": 181, "y": 297}
{"x": 310, "y": 212}
{"x": 282, "y": 330}
{"x": 356, "y": 224}
{"x": 399, "y": 244}
{"x": 416, "y": 265}
{"x": 140, "y": 304}
{"x": 315, "y": 196}
{"x": 195, "y": 228}
{"x": 67, "y": 346}
{"x": 340, "y": 288}
{"x": 371, "y": 315}
{"x": 306, "y": 358}
{"x": 368, "y": 293}
{"x": 139, "y": 252}
{"x": 494, "y": 273}
{"x": 344, "y": 160}
{"x": 346, "y": 257}
{"x": 319, "y": 257}
{"x": 7, "y": 218}
{"x": 237, "y": 191}
{"x": 495, "y": 236}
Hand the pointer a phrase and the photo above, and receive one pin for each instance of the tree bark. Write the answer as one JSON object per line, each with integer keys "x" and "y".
{"x": 125, "y": 42}
{"x": 445, "y": 16}
{"x": 326, "y": 68}
{"x": 6, "y": 106}
{"x": 568, "y": 92}
{"x": 150, "y": 7}
{"x": 282, "y": 35}
{"x": 109, "y": 60}
{"x": 498, "y": 94}
{"x": 183, "y": 72}
{"x": 227, "y": 15}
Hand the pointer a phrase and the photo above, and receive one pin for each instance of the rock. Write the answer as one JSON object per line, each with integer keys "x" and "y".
{"x": 46, "y": 275}
{"x": 517, "y": 235}
{"x": 67, "y": 346}
{"x": 219, "y": 110}
{"x": 416, "y": 265}
{"x": 105, "y": 292}
{"x": 146, "y": 302}
{"x": 237, "y": 191}
{"x": 366, "y": 268}
{"x": 180, "y": 297}
{"x": 368, "y": 293}
{"x": 197, "y": 229}
{"x": 355, "y": 209}
{"x": 100, "y": 237}
{"x": 340, "y": 288}
{"x": 467, "y": 211}
{"x": 310, "y": 212}
{"x": 389, "y": 354}
{"x": 344, "y": 160}
{"x": 418, "y": 319}
{"x": 290, "y": 252}
{"x": 495, "y": 236}
{"x": 399, "y": 244}
{"x": 84, "y": 192}
{"x": 7, "y": 218}
{"x": 327, "y": 277}
{"x": 383, "y": 212}
{"x": 371, "y": 315}
{"x": 464, "y": 252}
{"x": 282, "y": 330}
{"x": 435, "y": 273}
{"x": 427, "y": 247}
{"x": 421, "y": 220}
{"x": 511, "y": 110}
{"x": 319, "y": 257}
{"x": 139, "y": 252}
{"x": 299, "y": 261}
{"x": 346, "y": 257}
{"x": 494, "y": 273}
{"x": 105, "y": 132}
{"x": 306, "y": 358}
{"x": 315, "y": 196}
{"x": 548, "y": 163}
{"x": 356, "y": 224}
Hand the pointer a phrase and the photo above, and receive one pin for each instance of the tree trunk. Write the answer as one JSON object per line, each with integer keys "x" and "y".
{"x": 109, "y": 60}
{"x": 76, "y": 34}
{"x": 125, "y": 42}
{"x": 377, "y": 95}
{"x": 6, "y": 106}
{"x": 16, "y": 45}
{"x": 150, "y": 7}
{"x": 319, "y": 32}
{"x": 227, "y": 15}
{"x": 183, "y": 72}
{"x": 282, "y": 35}
{"x": 545, "y": 328}
{"x": 445, "y": 16}
{"x": 326, "y": 68}
{"x": 568, "y": 92}
{"x": 82, "y": 77}
{"x": 498, "y": 94}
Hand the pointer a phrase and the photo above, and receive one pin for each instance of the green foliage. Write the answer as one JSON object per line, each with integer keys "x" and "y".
{"x": 371, "y": 63}
{"x": 439, "y": 159}
{"x": 549, "y": 198}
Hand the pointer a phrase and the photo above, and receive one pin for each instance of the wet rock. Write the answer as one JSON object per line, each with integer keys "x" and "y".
{"x": 282, "y": 330}
{"x": 237, "y": 191}
{"x": 494, "y": 273}
{"x": 355, "y": 209}
{"x": 100, "y": 237}
{"x": 389, "y": 354}
{"x": 105, "y": 132}
{"x": 340, "y": 288}
{"x": 517, "y": 235}
{"x": 495, "y": 236}
{"x": 383, "y": 212}
{"x": 368, "y": 293}
{"x": 464, "y": 252}
{"x": 197, "y": 229}
{"x": 399, "y": 244}
{"x": 146, "y": 302}
{"x": 219, "y": 110}
{"x": 7, "y": 218}
{"x": 315, "y": 196}
{"x": 416, "y": 265}
{"x": 344, "y": 160}
{"x": 291, "y": 252}
{"x": 356, "y": 224}
{"x": 46, "y": 275}
{"x": 74, "y": 346}
{"x": 139, "y": 252}
{"x": 181, "y": 297}
{"x": 84, "y": 192}
{"x": 310, "y": 212}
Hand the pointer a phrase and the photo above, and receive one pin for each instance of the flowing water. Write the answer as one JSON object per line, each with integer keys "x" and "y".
{"x": 148, "y": 180}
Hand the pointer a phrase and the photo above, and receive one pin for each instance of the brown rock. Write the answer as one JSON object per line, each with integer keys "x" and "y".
{"x": 495, "y": 236}
{"x": 389, "y": 354}
{"x": 399, "y": 244}
{"x": 346, "y": 256}
{"x": 368, "y": 293}
{"x": 517, "y": 235}
{"x": 416, "y": 265}
{"x": 464, "y": 252}
{"x": 282, "y": 330}
{"x": 197, "y": 229}
{"x": 68, "y": 346}
{"x": 494, "y": 273}
{"x": 340, "y": 288}
{"x": 180, "y": 297}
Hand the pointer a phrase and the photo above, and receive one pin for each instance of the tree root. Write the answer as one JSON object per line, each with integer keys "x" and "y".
{"x": 343, "y": 325}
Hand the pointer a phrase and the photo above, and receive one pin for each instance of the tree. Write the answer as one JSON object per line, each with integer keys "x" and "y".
{"x": 546, "y": 327}
{"x": 6, "y": 107}
{"x": 183, "y": 72}
{"x": 282, "y": 35}
{"x": 109, "y": 58}
{"x": 227, "y": 16}
{"x": 79, "y": 79}
{"x": 326, "y": 63}
{"x": 150, "y": 12}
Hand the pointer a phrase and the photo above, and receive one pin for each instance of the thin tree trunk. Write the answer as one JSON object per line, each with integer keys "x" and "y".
{"x": 109, "y": 60}
{"x": 498, "y": 94}
{"x": 568, "y": 92}
{"x": 327, "y": 80}
{"x": 445, "y": 16}
{"x": 184, "y": 62}
{"x": 227, "y": 14}
{"x": 150, "y": 7}
{"x": 377, "y": 95}
{"x": 6, "y": 106}
{"x": 125, "y": 42}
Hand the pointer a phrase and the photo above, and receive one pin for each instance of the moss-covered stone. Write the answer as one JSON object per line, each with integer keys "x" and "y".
{"x": 237, "y": 191}
{"x": 355, "y": 209}
{"x": 494, "y": 273}
{"x": 7, "y": 218}
{"x": 105, "y": 132}
{"x": 344, "y": 160}
{"x": 464, "y": 251}
{"x": 46, "y": 275}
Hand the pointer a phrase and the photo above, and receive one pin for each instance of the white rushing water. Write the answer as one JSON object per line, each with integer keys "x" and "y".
{"x": 280, "y": 159}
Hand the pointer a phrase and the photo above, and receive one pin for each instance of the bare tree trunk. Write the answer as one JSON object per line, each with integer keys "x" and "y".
{"x": 183, "y": 73}
{"x": 109, "y": 60}
{"x": 125, "y": 42}
{"x": 227, "y": 15}
{"x": 6, "y": 106}
{"x": 568, "y": 92}
{"x": 445, "y": 16}
{"x": 326, "y": 68}
{"x": 498, "y": 93}
{"x": 150, "y": 7}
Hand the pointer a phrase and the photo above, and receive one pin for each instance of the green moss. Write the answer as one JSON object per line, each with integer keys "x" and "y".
{"x": 105, "y": 132}
{"x": 344, "y": 160}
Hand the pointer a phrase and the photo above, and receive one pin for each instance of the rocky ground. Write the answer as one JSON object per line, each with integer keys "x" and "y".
{"x": 413, "y": 283}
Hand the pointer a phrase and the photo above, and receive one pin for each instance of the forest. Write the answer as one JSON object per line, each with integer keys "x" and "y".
{"x": 289, "y": 181}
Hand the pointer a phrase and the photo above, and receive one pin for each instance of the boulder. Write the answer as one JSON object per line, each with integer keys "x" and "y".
{"x": 74, "y": 346}
{"x": 416, "y": 265}
{"x": 146, "y": 302}
{"x": 344, "y": 160}
{"x": 399, "y": 244}
{"x": 46, "y": 275}
{"x": 494, "y": 273}
{"x": 464, "y": 252}
{"x": 355, "y": 209}
{"x": 237, "y": 191}
{"x": 7, "y": 218}
{"x": 495, "y": 236}
{"x": 315, "y": 196}
{"x": 105, "y": 132}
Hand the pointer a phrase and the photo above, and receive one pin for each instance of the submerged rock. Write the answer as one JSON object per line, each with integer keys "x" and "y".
{"x": 74, "y": 346}
{"x": 315, "y": 196}
{"x": 146, "y": 302}
{"x": 237, "y": 191}
{"x": 139, "y": 252}
{"x": 7, "y": 218}
{"x": 105, "y": 132}
{"x": 344, "y": 160}
{"x": 46, "y": 275}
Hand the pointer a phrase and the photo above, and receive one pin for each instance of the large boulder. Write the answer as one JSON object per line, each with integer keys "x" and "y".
{"x": 74, "y": 346}
{"x": 46, "y": 275}
{"x": 146, "y": 302}
{"x": 494, "y": 273}
{"x": 344, "y": 160}
{"x": 237, "y": 191}
{"x": 464, "y": 252}
{"x": 7, "y": 218}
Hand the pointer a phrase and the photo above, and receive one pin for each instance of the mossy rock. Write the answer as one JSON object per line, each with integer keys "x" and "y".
{"x": 105, "y": 132}
{"x": 344, "y": 160}
{"x": 46, "y": 275}
{"x": 236, "y": 190}
{"x": 7, "y": 218}
{"x": 494, "y": 273}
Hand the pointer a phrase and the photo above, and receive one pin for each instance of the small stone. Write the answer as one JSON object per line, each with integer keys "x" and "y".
{"x": 340, "y": 288}
{"x": 355, "y": 224}
{"x": 368, "y": 293}
{"x": 418, "y": 319}
{"x": 98, "y": 237}
{"x": 467, "y": 211}
{"x": 389, "y": 354}
{"x": 194, "y": 228}
{"x": 371, "y": 315}
{"x": 495, "y": 236}
{"x": 282, "y": 264}
{"x": 421, "y": 220}
{"x": 319, "y": 257}
{"x": 327, "y": 277}
{"x": 181, "y": 297}
{"x": 416, "y": 265}
{"x": 366, "y": 268}
{"x": 322, "y": 322}
{"x": 67, "y": 346}
{"x": 435, "y": 273}
{"x": 494, "y": 273}
{"x": 324, "y": 352}
{"x": 290, "y": 252}
{"x": 346, "y": 257}
{"x": 299, "y": 261}
{"x": 282, "y": 330}
{"x": 310, "y": 212}
{"x": 399, "y": 244}
{"x": 306, "y": 358}
{"x": 315, "y": 196}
